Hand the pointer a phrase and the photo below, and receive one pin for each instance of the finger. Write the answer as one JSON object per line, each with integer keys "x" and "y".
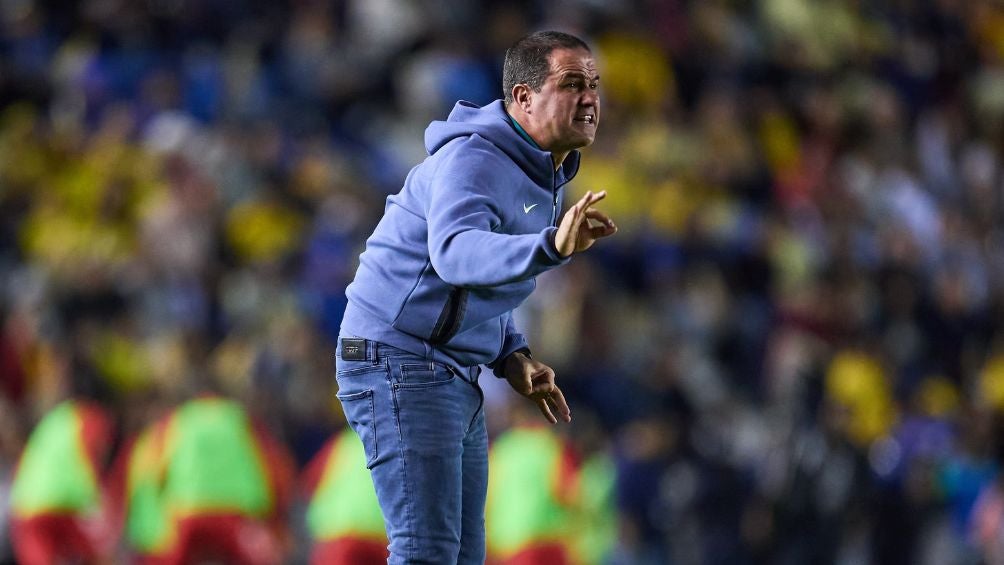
{"x": 583, "y": 202}
{"x": 543, "y": 381}
{"x": 598, "y": 216}
{"x": 602, "y": 231}
{"x": 558, "y": 400}
{"x": 542, "y": 388}
{"x": 575, "y": 214}
{"x": 588, "y": 200}
{"x": 545, "y": 410}
{"x": 579, "y": 210}
{"x": 595, "y": 197}
{"x": 523, "y": 386}
{"x": 527, "y": 387}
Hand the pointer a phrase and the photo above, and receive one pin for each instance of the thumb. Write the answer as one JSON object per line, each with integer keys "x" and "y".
{"x": 521, "y": 384}
{"x": 542, "y": 386}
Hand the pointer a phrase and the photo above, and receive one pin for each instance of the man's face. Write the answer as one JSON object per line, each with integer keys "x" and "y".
{"x": 566, "y": 111}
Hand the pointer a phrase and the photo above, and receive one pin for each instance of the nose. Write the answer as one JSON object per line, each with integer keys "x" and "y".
{"x": 590, "y": 98}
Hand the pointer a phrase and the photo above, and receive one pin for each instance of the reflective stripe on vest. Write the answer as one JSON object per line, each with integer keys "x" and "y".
{"x": 345, "y": 502}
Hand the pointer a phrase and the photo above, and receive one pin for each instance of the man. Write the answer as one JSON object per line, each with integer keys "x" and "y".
{"x": 456, "y": 251}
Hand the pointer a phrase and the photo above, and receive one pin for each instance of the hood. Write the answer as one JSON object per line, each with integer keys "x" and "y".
{"x": 492, "y": 123}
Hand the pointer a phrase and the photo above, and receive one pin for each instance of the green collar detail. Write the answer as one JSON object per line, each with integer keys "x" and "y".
{"x": 522, "y": 132}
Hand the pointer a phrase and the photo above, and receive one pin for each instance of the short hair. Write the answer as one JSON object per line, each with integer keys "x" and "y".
{"x": 528, "y": 61}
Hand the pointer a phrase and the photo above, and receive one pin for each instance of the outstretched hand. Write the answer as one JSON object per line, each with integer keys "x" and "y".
{"x": 574, "y": 233}
{"x": 535, "y": 381}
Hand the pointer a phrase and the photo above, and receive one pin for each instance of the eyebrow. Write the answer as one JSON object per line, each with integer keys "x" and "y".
{"x": 579, "y": 74}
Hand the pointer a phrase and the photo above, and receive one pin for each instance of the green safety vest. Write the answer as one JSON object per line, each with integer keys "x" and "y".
{"x": 54, "y": 473}
{"x": 148, "y": 525}
{"x": 596, "y": 521}
{"x": 522, "y": 508}
{"x": 213, "y": 462}
{"x": 345, "y": 502}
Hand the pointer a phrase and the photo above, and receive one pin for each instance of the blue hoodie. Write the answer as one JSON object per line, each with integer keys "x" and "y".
{"x": 462, "y": 243}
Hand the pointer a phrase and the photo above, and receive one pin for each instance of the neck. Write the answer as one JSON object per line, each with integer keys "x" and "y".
{"x": 558, "y": 158}
{"x": 520, "y": 121}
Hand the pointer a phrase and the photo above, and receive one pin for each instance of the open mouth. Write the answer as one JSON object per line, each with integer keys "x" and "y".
{"x": 588, "y": 119}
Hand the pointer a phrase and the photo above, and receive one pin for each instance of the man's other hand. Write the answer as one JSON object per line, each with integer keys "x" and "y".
{"x": 535, "y": 381}
{"x": 575, "y": 234}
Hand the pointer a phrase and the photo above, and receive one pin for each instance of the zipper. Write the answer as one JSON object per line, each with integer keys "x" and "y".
{"x": 450, "y": 318}
{"x": 554, "y": 199}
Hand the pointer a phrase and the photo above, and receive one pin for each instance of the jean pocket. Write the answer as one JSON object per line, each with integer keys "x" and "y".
{"x": 422, "y": 375}
{"x": 431, "y": 417}
{"x": 345, "y": 369}
{"x": 361, "y": 416}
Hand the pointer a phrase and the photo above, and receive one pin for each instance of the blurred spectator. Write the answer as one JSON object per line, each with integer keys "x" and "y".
{"x": 343, "y": 515}
{"x": 530, "y": 510}
{"x": 58, "y": 508}
{"x": 595, "y": 516}
{"x": 206, "y": 483}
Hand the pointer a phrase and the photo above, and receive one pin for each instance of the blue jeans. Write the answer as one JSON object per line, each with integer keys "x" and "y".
{"x": 422, "y": 425}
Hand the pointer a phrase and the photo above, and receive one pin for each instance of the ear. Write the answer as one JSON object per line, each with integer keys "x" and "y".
{"x": 522, "y": 95}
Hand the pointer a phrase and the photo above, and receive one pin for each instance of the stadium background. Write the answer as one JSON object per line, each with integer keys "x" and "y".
{"x": 791, "y": 351}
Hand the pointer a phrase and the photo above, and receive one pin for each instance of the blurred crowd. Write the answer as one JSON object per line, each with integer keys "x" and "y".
{"x": 791, "y": 353}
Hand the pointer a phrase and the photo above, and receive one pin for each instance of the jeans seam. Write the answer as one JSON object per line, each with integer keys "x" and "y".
{"x": 409, "y": 497}
{"x": 376, "y": 445}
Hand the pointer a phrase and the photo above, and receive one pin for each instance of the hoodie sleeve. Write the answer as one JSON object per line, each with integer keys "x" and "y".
{"x": 465, "y": 251}
{"x": 513, "y": 341}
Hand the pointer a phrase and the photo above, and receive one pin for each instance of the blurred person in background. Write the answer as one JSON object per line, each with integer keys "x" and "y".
{"x": 207, "y": 482}
{"x": 58, "y": 507}
{"x": 530, "y": 510}
{"x": 343, "y": 515}
{"x": 456, "y": 251}
{"x": 594, "y": 523}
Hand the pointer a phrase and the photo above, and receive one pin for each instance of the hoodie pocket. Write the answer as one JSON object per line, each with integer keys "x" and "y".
{"x": 433, "y": 310}
{"x": 450, "y": 318}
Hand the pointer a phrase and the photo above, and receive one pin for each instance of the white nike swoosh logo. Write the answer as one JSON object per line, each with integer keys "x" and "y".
{"x": 526, "y": 209}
